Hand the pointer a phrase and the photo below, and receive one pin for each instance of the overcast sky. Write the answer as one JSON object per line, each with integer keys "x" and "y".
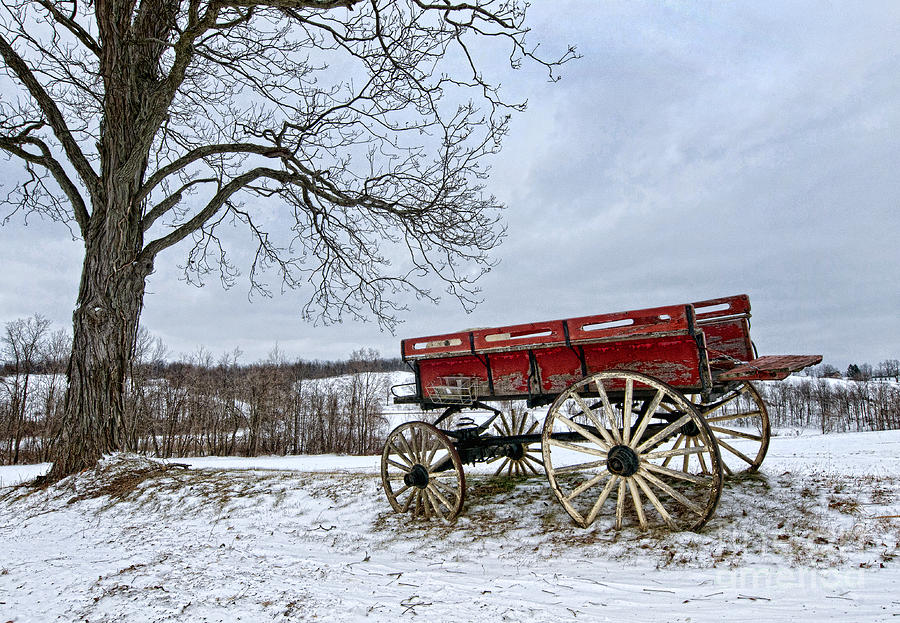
{"x": 695, "y": 150}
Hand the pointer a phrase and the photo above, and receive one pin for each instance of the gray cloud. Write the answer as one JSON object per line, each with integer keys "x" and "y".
{"x": 694, "y": 151}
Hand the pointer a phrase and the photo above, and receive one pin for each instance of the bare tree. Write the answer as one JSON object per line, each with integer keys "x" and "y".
{"x": 22, "y": 344}
{"x": 145, "y": 123}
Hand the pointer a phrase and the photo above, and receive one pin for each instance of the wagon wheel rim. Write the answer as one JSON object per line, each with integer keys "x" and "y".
{"x": 740, "y": 422}
{"x": 421, "y": 472}
{"x": 661, "y": 469}
{"x": 527, "y": 461}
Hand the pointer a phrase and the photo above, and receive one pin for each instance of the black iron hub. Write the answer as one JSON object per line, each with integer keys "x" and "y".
{"x": 622, "y": 461}
{"x": 516, "y": 452}
{"x": 690, "y": 429}
{"x": 416, "y": 477}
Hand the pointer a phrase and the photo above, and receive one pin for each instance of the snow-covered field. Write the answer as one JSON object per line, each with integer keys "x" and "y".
{"x": 815, "y": 536}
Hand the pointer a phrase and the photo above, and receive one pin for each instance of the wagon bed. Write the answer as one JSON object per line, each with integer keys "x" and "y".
{"x": 690, "y": 347}
{"x": 649, "y": 410}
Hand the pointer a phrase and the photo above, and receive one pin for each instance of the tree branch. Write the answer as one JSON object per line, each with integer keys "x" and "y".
{"x": 54, "y": 116}
{"x": 72, "y": 26}
{"x": 203, "y": 152}
{"x": 46, "y": 160}
{"x": 170, "y": 202}
{"x": 215, "y": 204}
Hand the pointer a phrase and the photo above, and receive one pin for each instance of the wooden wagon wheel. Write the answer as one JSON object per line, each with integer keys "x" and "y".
{"x": 525, "y": 458}
{"x": 615, "y": 451}
{"x": 421, "y": 472}
{"x": 740, "y": 422}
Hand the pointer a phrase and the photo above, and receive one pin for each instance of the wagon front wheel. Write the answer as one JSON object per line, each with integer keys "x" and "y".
{"x": 421, "y": 472}
{"x": 622, "y": 448}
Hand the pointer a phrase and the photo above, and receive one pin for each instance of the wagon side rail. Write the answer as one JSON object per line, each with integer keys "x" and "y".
{"x": 539, "y": 360}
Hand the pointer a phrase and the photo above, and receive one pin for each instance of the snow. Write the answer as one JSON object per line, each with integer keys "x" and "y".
{"x": 312, "y": 537}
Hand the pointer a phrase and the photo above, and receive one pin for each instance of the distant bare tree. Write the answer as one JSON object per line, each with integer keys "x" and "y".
{"x": 143, "y": 124}
{"x": 23, "y": 345}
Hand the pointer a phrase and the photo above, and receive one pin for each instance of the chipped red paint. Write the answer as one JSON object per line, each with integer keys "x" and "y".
{"x": 727, "y": 340}
{"x": 673, "y": 360}
{"x": 510, "y": 372}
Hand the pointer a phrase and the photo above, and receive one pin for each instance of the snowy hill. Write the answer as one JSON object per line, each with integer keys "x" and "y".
{"x": 301, "y": 538}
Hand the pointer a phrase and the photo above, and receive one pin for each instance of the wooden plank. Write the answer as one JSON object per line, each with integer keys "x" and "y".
{"x": 519, "y": 337}
{"x": 722, "y": 307}
{"x": 769, "y": 368}
{"x": 641, "y": 323}
{"x": 436, "y": 346}
{"x": 727, "y": 342}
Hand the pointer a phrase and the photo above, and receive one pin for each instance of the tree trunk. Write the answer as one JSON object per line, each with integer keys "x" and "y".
{"x": 105, "y": 327}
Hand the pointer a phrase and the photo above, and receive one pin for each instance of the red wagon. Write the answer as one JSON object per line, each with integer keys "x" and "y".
{"x": 648, "y": 411}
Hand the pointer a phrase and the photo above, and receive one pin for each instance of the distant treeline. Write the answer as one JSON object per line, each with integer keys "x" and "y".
{"x": 202, "y": 405}
{"x": 832, "y": 405}
{"x": 198, "y": 405}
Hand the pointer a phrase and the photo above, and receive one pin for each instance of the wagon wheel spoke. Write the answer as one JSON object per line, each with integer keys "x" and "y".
{"x": 580, "y": 466}
{"x": 645, "y": 420}
{"x": 601, "y": 428}
{"x": 626, "y": 411}
{"x": 665, "y": 433}
{"x": 670, "y": 454}
{"x": 638, "y": 504}
{"x": 453, "y": 493}
{"x": 601, "y": 500}
{"x": 531, "y": 462}
{"x": 429, "y": 460}
{"x": 706, "y": 410}
{"x": 587, "y": 484}
{"x": 400, "y": 453}
{"x": 406, "y": 449}
{"x": 702, "y": 460}
{"x": 574, "y": 446}
{"x": 733, "y": 416}
{"x": 666, "y": 517}
{"x": 435, "y": 503}
{"x": 747, "y": 429}
{"x": 589, "y": 436}
{"x": 412, "y": 496}
{"x": 626, "y": 460}
{"x": 523, "y": 462}
{"x": 424, "y": 491}
{"x": 680, "y": 475}
{"x": 620, "y": 504}
{"x": 609, "y": 412}
{"x": 662, "y": 486}
{"x": 736, "y": 433}
{"x": 398, "y": 465}
{"x": 736, "y": 452}
{"x": 726, "y": 469}
{"x": 668, "y": 457}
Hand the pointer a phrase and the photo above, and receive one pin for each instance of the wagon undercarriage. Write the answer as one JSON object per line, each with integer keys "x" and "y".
{"x": 619, "y": 445}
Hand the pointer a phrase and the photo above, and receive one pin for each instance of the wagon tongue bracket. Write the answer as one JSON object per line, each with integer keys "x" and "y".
{"x": 416, "y": 477}
{"x": 622, "y": 461}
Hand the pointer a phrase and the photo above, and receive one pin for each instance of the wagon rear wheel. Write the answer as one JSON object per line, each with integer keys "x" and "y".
{"x": 622, "y": 448}
{"x": 525, "y": 459}
{"x": 421, "y": 472}
{"x": 740, "y": 422}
